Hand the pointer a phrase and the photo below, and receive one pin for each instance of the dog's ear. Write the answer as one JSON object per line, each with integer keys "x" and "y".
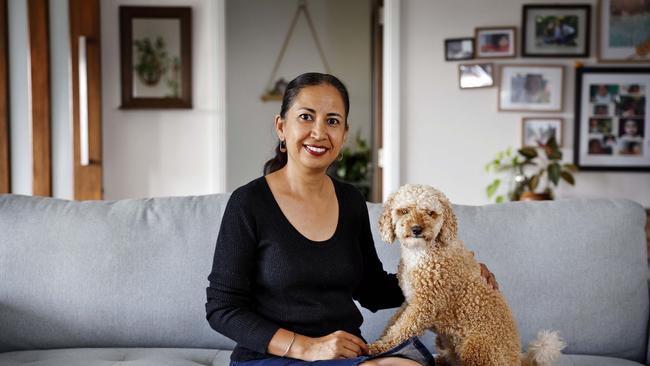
{"x": 449, "y": 231}
{"x": 386, "y": 227}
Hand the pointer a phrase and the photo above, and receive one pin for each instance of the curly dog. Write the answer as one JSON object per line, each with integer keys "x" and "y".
{"x": 445, "y": 292}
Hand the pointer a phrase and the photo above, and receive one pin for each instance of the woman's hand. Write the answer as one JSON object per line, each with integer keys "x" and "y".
{"x": 339, "y": 344}
{"x": 489, "y": 276}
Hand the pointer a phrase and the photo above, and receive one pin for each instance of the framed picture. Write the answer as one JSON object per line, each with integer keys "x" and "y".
{"x": 475, "y": 75}
{"x": 623, "y": 31}
{"x": 612, "y": 119}
{"x": 536, "y": 131}
{"x": 556, "y": 30}
{"x": 531, "y": 88}
{"x": 495, "y": 42}
{"x": 156, "y": 57}
{"x": 459, "y": 49}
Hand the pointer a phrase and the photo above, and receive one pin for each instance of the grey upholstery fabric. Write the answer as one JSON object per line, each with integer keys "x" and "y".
{"x": 117, "y": 356}
{"x": 128, "y": 273}
{"x": 132, "y": 273}
{"x": 577, "y": 266}
{"x": 192, "y": 357}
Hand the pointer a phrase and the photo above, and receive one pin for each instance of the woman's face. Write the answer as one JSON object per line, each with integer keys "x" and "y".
{"x": 314, "y": 127}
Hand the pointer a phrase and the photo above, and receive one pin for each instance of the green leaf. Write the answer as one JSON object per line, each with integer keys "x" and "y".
{"x": 492, "y": 188}
{"x": 534, "y": 182}
{"x": 500, "y": 199}
{"x": 568, "y": 177}
{"x": 554, "y": 173}
{"x": 528, "y": 152}
{"x": 570, "y": 167}
{"x": 554, "y": 155}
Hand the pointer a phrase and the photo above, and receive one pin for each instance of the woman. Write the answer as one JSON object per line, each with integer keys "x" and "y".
{"x": 295, "y": 247}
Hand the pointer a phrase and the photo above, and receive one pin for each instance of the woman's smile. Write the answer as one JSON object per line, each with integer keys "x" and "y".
{"x": 316, "y": 150}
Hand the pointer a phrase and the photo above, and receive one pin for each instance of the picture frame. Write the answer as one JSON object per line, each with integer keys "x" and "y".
{"x": 616, "y": 138}
{"x": 478, "y": 75}
{"x": 536, "y": 131}
{"x": 156, "y": 57}
{"x": 622, "y": 36}
{"x": 525, "y": 88}
{"x": 495, "y": 42}
{"x": 457, "y": 49}
{"x": 553, "y": 30}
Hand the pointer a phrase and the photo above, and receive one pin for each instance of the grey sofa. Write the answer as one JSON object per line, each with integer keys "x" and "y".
{"x": 123, "y": 282}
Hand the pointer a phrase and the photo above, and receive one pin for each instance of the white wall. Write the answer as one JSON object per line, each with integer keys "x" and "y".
{"x": 255, "y": 32}
{"x": 448, "y": 135}
{"x": 20, "y": 122}
{"x": 153, "y": 152}
{"x": 62, "y": 139}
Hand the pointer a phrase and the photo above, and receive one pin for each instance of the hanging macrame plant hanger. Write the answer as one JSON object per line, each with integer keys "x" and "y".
{"x": 275, "y": 88}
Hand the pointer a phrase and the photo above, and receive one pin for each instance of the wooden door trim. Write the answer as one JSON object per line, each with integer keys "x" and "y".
{"x": 85, "y": 21}
{"x": 38, "y": 20}
{"x": 5, "y": 165}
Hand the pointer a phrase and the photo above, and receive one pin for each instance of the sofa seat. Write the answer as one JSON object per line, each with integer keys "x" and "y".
{"x": 116, "y": 357}
{"x": 192, "y": 357}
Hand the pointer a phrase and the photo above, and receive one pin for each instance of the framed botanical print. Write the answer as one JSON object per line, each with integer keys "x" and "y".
{"x": 536, "y": 131}
{"x": 156, "y": 57}
{"x": 531, "y": 88}
{"x": 612, "y": 119}
{"x": 623, "y": 31}
{"x": 553, "y": 30}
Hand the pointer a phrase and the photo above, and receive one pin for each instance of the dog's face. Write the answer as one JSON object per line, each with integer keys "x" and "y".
{"x": 418, "y": 215}
{"x": 416, "y": 225}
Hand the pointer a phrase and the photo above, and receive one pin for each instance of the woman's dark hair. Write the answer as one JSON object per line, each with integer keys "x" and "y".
{"x": 293, "y": 88}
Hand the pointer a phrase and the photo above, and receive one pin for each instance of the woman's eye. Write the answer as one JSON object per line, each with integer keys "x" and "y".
{"x": 305, "y": 116}
{"x": 333, "y": 121}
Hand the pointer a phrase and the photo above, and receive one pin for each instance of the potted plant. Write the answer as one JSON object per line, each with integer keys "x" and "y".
{"x": 532, "y": 172}
{"x": 354, "y": 165}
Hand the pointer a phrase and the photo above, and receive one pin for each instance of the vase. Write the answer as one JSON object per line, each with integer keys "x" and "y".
{"x": 532, "y": 196}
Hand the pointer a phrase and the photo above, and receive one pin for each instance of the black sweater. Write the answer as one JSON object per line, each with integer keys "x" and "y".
{"x": 266, "y": 274}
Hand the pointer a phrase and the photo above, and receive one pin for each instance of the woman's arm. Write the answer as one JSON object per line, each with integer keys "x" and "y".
{"x": 229, "y": 302}
{"x": 378, "y": 289}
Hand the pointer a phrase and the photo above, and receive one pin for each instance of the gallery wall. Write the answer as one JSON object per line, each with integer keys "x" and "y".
{"x": 448, "y": 134}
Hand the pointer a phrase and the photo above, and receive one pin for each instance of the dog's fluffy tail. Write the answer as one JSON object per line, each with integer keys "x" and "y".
{"x": 543, "y": 351}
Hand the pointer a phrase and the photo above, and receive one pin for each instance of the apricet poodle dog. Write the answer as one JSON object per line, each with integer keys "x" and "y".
{"x": 445, "y": 292}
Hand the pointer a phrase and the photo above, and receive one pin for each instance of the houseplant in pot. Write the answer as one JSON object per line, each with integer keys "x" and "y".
{"x": 530, "y": 174}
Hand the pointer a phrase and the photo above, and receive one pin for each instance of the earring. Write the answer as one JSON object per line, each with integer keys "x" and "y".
{"x": 283, "y": 146}
{"x": 340, "y": 157}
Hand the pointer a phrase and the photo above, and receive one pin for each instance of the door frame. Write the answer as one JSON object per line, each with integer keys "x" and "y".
{"x": 5, "y": 150}
{"x": 390, "y": 97}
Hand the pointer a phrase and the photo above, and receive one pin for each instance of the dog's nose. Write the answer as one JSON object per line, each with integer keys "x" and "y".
{"x": 417, "y": 230}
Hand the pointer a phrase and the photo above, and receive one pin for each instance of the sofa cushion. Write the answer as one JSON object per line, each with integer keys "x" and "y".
{"x": 117, "y": 356}
{"x": 192, "y": 357}
{"x": 577, "y": 266}
{"x": 128, "y": 273}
